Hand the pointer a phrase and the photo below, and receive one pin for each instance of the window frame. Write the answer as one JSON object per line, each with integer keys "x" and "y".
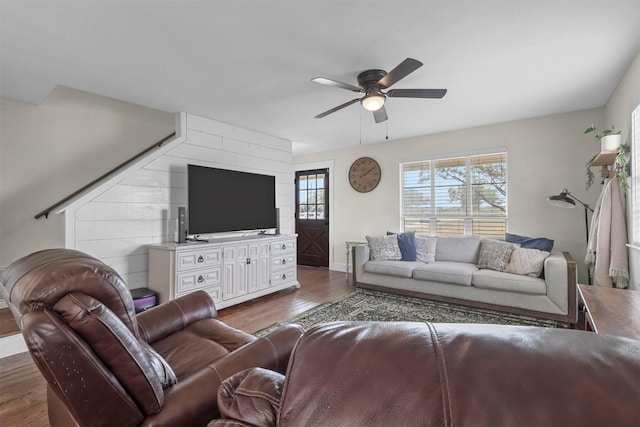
{"x": 635, "y": 176}
{"x": 469, "y": 218}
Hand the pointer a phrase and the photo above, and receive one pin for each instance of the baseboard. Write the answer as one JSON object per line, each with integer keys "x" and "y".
{"x": 12, "y": 344}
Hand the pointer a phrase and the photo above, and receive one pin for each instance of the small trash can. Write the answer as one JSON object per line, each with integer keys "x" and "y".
{"x": 144, "y": 299}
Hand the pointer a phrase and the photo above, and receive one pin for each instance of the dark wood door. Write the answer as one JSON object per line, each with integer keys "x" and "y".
{"x": 312, "y": 217}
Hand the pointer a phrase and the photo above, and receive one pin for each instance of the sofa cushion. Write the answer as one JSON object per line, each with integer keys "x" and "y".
{"x": 458, "y": 249}
{"x": 384, "y": 248}
{"x": 529, "y": 262}
{"x": 500, "y": 281}
{"x": 407, "y": 244}
{"x": 540, "y": 243}
{"x": 455, "y": 273}
{"x": 426, "y": 248}
{"x": 494, "y": 254}
{"x": 392, "y": 268}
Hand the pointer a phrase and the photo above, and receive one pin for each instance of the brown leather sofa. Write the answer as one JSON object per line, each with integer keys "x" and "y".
{"x": 105, "y": 365}
{"x": 421, "y": 374}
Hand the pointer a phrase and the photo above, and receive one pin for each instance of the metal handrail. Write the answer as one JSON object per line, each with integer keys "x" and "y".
{"x": 45, "y": 213}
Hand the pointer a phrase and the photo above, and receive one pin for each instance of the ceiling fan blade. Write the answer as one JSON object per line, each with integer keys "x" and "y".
{"x": 405, "y": 68}
{"x": 339, "y": 107}
{"x": 329, "y": 82}
{"x": 380, "y": 115}
{"x": 416, "y": 93}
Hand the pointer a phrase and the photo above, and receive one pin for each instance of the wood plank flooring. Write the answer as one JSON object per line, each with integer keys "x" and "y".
{"x": 23, "y": 389}
{"x": 8, "y": 324}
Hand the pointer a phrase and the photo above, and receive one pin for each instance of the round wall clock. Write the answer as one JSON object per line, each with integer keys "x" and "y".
{"x": 364, "y": 174}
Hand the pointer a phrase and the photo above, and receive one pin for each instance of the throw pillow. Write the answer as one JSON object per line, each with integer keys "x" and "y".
{"x": 494, "y": 254}
{"x": 426, "y": 249}
{"x": 524, "y": 261}
{"x": 407, "y": 244}
{"x": 384, "y": 248}
{"x": 540, "y": 243}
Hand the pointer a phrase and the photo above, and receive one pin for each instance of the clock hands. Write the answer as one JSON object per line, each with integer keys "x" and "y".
{"x": 366, "y": 173}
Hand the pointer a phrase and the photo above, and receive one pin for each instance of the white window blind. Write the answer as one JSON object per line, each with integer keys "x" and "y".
{"x": 456, "y": 196}
{"x": 635, "y": 175}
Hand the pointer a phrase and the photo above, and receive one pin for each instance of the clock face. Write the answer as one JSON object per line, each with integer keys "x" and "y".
{"x": 364, "y": 174}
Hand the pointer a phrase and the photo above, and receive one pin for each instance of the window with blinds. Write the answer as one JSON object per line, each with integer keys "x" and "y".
{"x": 635, "y": 175}
{"x": 456, "y": 196}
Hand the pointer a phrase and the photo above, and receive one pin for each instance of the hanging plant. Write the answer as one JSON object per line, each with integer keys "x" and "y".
{"x": 590, "y": 175}
{"x": 623, "y": 161}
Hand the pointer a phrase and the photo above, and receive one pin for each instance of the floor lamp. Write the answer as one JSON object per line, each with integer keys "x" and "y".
{"x": 568, "y": 200}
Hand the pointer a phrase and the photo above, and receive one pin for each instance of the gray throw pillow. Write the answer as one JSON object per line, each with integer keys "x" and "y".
{"x": 426, "y": 249}
{"x": 495, "y": 254}
{"x": 384, "y": 248}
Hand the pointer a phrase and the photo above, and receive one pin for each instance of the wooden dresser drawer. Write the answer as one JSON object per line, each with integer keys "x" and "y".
{"x": 197, "y": 259}
{"x": 198, "y": 279}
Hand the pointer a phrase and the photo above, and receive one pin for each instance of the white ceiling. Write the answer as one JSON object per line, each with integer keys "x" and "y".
{"x": 250, "y": 63}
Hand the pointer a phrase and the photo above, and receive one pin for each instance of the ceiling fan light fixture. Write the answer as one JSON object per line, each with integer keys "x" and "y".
{"x": 373, "y": 102}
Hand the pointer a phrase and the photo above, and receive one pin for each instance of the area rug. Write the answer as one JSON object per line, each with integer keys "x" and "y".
{"x": 366, "y": 305}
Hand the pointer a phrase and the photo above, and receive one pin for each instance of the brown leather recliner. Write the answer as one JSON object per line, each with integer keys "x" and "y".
{"x": 421, "y": 374}
{"x": 105, "y": 365}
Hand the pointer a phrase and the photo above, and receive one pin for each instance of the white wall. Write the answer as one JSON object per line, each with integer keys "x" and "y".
{"x": 48, "y": 151}
{"x": 545, "y": 155}
{"x": 622, "y": 102}
{"x": 117, "y": 225}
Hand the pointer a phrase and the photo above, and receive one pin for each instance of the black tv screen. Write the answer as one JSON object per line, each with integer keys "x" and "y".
{"x": 225, "y": 200}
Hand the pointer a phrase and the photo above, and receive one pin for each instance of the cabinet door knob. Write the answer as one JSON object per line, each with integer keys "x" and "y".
{"x": 284, "y": 261}
{"x": 200, "y": 258}
{"x": 248, "y": 260}
{"x": 284, "y": 276}
{"x": 200, "y": 279}
{"x": 284, "y": 246}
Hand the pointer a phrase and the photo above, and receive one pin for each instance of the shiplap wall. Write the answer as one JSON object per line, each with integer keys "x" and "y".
{"x": 117, "y": 224}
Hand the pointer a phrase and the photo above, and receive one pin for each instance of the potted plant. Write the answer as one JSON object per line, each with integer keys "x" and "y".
{"x": 610, "y": 140}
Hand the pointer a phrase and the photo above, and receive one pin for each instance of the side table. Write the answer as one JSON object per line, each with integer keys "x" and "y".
{"x": 349, "y": 246}
{"x": 611, "y": 311}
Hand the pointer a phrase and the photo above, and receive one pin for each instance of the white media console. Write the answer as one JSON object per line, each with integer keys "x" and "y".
{"x": 231, "y": 270}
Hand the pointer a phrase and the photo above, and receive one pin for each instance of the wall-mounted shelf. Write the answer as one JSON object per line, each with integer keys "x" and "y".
{"x": 605, "y": 158}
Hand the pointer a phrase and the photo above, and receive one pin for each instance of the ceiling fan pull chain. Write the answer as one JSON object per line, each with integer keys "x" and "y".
{"x": 387, "y": 135}
{"x": 360, "y": 117}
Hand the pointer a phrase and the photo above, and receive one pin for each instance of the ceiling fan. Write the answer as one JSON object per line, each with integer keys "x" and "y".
{"x": 372, "y": 83}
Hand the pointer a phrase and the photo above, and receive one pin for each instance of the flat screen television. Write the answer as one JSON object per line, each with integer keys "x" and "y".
{"x": 225, "y": 200}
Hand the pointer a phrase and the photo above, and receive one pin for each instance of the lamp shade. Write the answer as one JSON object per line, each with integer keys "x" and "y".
{"x": 372, "y": 102}
{"x": 562, "y": 200}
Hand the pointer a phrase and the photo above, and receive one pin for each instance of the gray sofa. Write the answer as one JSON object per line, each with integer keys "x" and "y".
{"x": 454, "y": 277}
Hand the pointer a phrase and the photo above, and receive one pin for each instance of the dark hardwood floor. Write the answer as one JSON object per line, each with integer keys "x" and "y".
{"x": 8, "y": 324}
{"x": 23, "y": 389}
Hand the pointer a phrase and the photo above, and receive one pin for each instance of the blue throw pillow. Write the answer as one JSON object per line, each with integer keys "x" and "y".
{"x": 407, "y": 244}
{"x": 540, "y": 243}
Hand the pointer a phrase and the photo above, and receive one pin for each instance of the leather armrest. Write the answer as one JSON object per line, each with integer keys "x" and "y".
{"x": 174, "y": 315}
{"x": 251, "y": 397}
{"x": 271, "y": 351}
{"x": 194, "y": 400}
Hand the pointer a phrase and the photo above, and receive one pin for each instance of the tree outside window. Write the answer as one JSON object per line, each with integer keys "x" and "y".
{"x": 456, "y": 196}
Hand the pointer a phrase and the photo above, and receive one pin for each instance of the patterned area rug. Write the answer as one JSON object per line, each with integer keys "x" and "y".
{"x": 366, "y": 305}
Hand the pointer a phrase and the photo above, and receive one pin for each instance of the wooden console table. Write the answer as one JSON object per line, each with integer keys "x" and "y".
{"x": 611, "y": 311}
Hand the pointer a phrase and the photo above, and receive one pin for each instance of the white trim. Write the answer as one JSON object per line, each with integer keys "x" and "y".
{"x": 442, "y": 156}
{"x": 634, "y": 180}
{"x": 330, "y": 165}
